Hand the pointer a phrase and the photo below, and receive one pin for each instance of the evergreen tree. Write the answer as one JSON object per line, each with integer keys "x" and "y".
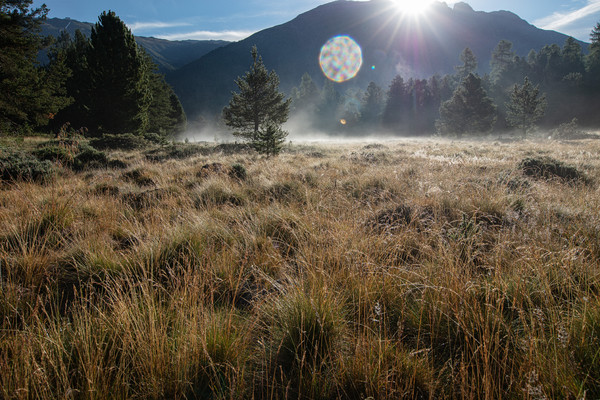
{"x": 396, "y": 106}
{"x": 469, "y": 64}
{"x": 502, "y": 57}
{"x": 119, "y": 78}
{"x": 165, "y": 114}
{"x": 526, "y": 106}
{"x": 469, "y": 110}
{"x": 572, "y": 58}
{"x": 257, "y": 103}
{"x": 29, "y": 95}
{"x": 592, "y": 62}
{"x": 372, "y": 105}
{"x": 78, "y": 83}
{"x": 595, "y": 37}
{"x": 306, "y": 97}
{"x": 329, "y": 107}
{"x": 270, "y": 139}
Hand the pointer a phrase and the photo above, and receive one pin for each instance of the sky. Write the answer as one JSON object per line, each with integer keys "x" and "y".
{"x": 237, "y": 19}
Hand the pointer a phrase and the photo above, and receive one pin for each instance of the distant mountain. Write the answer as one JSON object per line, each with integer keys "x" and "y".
{"x": 169, "y": 55}
{"x": 392, "y": 43}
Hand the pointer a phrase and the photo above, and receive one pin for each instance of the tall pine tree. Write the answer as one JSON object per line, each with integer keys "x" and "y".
{"x": 372, "y": 105}
{"x": 119, "y": 78}
{"x": 396, "y": 108}
{"x": 469, "y": 64}
{"x": 258, "y": 102}
{"x": 29, "y": 94}
{"x": 526, "y": 106}
{"x": 469, "y": 110}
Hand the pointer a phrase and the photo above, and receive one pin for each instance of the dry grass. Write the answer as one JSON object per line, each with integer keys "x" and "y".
{"x": 413, "y": 269}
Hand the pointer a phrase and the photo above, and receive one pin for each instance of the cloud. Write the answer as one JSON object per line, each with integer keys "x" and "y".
{"x": 142, "y": 26}
{"x": 560, "y": 20}
{"x": 208, "y": 35}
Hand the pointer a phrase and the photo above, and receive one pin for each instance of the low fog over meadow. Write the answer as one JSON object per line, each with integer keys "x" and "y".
{"x": 373, "y": 200}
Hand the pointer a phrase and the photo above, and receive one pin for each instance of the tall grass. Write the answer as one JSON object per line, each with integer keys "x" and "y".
{"x": 418, "y": 270}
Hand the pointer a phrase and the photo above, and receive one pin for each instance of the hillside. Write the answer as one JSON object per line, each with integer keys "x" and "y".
{"x": 169, "y": 55}
{"x": 391, "y": 42}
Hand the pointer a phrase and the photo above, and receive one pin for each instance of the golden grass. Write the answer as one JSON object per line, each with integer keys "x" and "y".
{"x": 408, "y": 269}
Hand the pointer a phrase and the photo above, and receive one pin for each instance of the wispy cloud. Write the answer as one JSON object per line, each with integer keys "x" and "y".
{"x": 208, "y": 35}
{"x": 142, "y": 26}
{"x": 560, "y": 20}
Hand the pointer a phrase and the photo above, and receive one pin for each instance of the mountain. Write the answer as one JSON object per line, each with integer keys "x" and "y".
{"x": 392, "y": 43}
{"x": 168, "y": 55}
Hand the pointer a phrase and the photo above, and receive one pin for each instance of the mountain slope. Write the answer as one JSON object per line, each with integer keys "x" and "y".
{"x": 168, "y": 55}
{"x": 391, "y": 42}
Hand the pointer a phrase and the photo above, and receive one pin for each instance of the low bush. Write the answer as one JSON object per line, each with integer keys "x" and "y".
{"x": 89, "y": 158}
{"x": 175, "y": 152}
{"x": 238, "y": 171}
{"x": 549, "y": 168}
{"x": 125, "y": 141}
{"x": 139, "y": 177}
{"x": 19, "y": 166}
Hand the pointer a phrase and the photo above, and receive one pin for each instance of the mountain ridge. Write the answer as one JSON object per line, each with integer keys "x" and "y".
{"x": 169, "y": 55}
{"x": 392, "y": 43}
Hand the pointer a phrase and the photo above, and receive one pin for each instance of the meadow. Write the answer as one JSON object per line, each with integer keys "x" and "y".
{"x": 416, "y": 269}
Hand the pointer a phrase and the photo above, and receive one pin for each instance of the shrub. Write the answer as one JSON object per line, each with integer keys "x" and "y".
{"x": 89, "y": 158}
{"x": 55, "y": 153}
{"x": 175, "y": 152}
{"x": 139, "y": 177}
{"x": 569, "y": 130}
{"x": 549, "y": 168}
{"x": 156, "y": 138}
{"x": 125, "y": 141}
{"x": 18, "y": 166}
{"x": 238, "y": 171}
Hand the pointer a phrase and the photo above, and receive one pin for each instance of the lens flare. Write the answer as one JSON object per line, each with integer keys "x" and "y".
{"x": 343, "y": 121}
{"x": 340, "y": 58}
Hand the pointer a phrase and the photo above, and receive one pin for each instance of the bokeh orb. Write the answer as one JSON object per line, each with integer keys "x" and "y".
{"x": 340, "y": 58}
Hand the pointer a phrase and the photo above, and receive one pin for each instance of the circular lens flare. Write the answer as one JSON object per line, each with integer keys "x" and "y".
{"x": 340, "y": 58}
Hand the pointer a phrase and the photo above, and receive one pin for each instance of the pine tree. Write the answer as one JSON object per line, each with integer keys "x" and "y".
{"x": 592, "y": 61}
{"x": 469, "y": 64}
{"x": 469, "y": 110}
{"x": 165, "y": 114}
{"x": 396, "y": 107}
{"x": 572, "y": 58}
{"x": 526, "y": 106}
{"x": 258, "y": 102}
{"x": 29, "y": 94}
{"x": 306, "y": 96}
{"x": 502, "y": 57}
{"x": 372, "y": 105}
{"x": 119, "y": 78}
{"x": 269, "y": 139}
{"x": 78, "y": 83}
{"x": 329, "y": 107}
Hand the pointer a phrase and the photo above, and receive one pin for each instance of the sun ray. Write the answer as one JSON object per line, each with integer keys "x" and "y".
{"x": 414, "y": 7}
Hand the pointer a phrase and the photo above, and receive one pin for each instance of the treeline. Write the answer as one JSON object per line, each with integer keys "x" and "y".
{"x": 106, "y": 84}
{"x": 553, "y": 86}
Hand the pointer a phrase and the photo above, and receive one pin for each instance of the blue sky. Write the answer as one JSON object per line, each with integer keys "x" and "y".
{"x": 236, "y": 19}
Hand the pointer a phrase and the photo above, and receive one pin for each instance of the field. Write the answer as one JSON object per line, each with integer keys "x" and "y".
{"x": 402, "y": 269}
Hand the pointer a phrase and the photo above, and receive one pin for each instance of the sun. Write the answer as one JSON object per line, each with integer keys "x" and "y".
{"x": 414, "y": 7}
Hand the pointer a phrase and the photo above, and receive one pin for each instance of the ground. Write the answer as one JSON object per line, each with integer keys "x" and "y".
{"x": 398, "y": 269}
